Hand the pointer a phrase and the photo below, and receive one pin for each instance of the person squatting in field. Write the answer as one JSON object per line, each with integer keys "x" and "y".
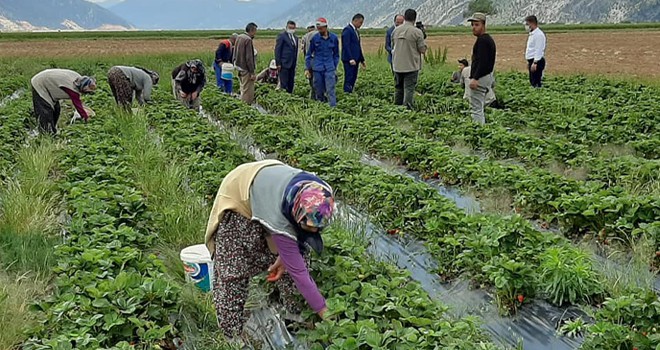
{"x": 270, "y": 75}
{"x": 265, "y": 216}
{"x": 223, "y": 57}
{"x": 50, "y": 86}
{"x": 128, "y": 81}
{"x": 462, "y": 77}
{"x": 322, "y": 60}
{"x": 188, "y": 80}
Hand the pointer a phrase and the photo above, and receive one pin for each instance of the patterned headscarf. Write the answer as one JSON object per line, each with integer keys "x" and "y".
{"x": 192, "y": 77}
{"x": 308, "y": 200}
{"x": 85, "y": 82}
{"x": 313, "y": 205}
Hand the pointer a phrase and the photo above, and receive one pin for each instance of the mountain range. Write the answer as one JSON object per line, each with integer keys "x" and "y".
{"x": 235, "y": 14}
{"x": 57, "y": 14}
{"x": 450, "y": 12}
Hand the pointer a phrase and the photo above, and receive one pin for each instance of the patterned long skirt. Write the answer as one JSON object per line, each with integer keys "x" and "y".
{"x": 121, "y": 87}
{"x": 241, "y": 252}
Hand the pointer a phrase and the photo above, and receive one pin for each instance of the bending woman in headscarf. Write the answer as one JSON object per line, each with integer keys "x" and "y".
{"x": 265, "y": 216}
{"x": 126, "y": 81}
{"x": 188, "y": 81}
{"x": 51, "y": 86}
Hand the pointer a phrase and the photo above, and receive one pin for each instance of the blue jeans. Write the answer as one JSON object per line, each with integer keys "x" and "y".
{"x": 224, "y": 84}
{"x": 324, "y": 82}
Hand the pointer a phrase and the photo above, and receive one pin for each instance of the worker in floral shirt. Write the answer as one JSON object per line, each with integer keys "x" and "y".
{"x": 265, "y": 216}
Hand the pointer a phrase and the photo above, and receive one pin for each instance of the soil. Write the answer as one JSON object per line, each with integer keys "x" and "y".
{"x": 617, "y": 53}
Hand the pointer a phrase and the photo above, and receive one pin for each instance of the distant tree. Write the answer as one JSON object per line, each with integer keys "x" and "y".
{"x": 484, "y": 6}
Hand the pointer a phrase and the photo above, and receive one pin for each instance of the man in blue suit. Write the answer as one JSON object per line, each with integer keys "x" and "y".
{"x": 351, "y": 52}
{"x": 286, "y": 56}
{"x": 398, "y": 20}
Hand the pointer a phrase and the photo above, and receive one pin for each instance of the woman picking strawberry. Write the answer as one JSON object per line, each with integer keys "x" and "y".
{"x": 264, "y": 217}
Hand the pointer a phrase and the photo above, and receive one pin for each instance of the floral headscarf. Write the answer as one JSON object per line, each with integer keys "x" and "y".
{"x": 308, "y": 201}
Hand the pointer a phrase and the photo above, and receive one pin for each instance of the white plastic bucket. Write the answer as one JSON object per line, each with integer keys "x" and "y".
{"x": 198, "y": 266}
{"x": 227, "y": 71}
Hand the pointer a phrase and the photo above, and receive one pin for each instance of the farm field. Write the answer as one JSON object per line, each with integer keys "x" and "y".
{"x": 563, "y": 185}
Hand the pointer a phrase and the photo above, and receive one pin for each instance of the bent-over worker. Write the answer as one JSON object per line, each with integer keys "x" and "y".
{"x": 50, "y": 86}
{"x": 125, "y": 81}
{"x": 264, "y": 217}
{"x": 188, "y": 80}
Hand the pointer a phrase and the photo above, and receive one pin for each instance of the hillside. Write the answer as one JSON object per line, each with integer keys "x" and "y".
{"x": 56, "y": 14}
{"x": 200, "y": 14}
{"x": 450, "y": 12}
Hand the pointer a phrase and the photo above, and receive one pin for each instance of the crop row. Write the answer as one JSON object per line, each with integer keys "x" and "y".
{"x": 579, "y": 207}
{"x": 506, "y": 251}
{"x": 420, "y": 322}
{"x": 13, "y": 117}
{"x": 585, "y": 110}
{"x": 109, "y": 291}
{"x": 502, "y": 251}
{"x": 500, "y": 143}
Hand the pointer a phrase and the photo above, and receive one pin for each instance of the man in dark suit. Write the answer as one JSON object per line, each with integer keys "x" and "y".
{"x": 351, "y": 52}
{"x": 286, "y": 56}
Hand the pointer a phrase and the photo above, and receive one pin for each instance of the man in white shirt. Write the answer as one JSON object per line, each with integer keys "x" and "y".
{"x": 535, "y": 53}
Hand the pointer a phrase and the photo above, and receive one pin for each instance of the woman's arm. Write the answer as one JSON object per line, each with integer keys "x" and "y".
{"x": 295, "y": 265}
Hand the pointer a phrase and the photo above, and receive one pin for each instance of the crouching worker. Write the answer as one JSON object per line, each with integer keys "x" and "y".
{"x": 270, "y": 75}
{"x": 264, "y": 217}
{"x": 126, "y": 81}
{"x": 188, "y": 81}
{"x": 51, "y": 86}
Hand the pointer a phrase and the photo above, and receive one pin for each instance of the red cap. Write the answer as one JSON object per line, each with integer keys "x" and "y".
{"x": 321, "y": 22}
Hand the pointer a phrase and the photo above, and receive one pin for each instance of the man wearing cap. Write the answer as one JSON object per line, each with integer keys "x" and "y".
{"x": 535, "y": 53}
{"x": 286, "y": 56}
{"x": 324, "y": 48}
{"x": 483, "y": 63}
{"x": 351, "y": 52}
{"x": 270, "y": 75}
{"x": 306, "y": 40}
{"x": 50, "y": 86}
{"x": 398, "y": 20}
{"x": 245, "y": 62}
{"x": 408, "y": 47}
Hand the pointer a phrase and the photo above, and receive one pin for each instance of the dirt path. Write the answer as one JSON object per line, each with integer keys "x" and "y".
{"x": 610, "y": 53}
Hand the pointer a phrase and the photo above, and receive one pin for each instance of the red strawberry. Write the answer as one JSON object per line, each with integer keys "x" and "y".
{"x": 271, "y": 277}
{"x": 393, "y": 231}
{"x": 436, "y": 175}
{"x": 545, "y": 225}
{"x": 521, "y": 298}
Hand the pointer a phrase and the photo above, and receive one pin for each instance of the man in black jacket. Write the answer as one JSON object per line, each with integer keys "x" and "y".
{"x": 483, "y": 62}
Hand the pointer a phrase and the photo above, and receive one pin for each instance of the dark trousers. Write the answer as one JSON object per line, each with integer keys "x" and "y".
{"x": 287, "y": 78}
{"x": 536, "y": 77}
{"x": 405, "y": 84}
{"x": 350, "y": 76}
{"x": 312, "y": 90}
{"x": 47, "y": 116}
